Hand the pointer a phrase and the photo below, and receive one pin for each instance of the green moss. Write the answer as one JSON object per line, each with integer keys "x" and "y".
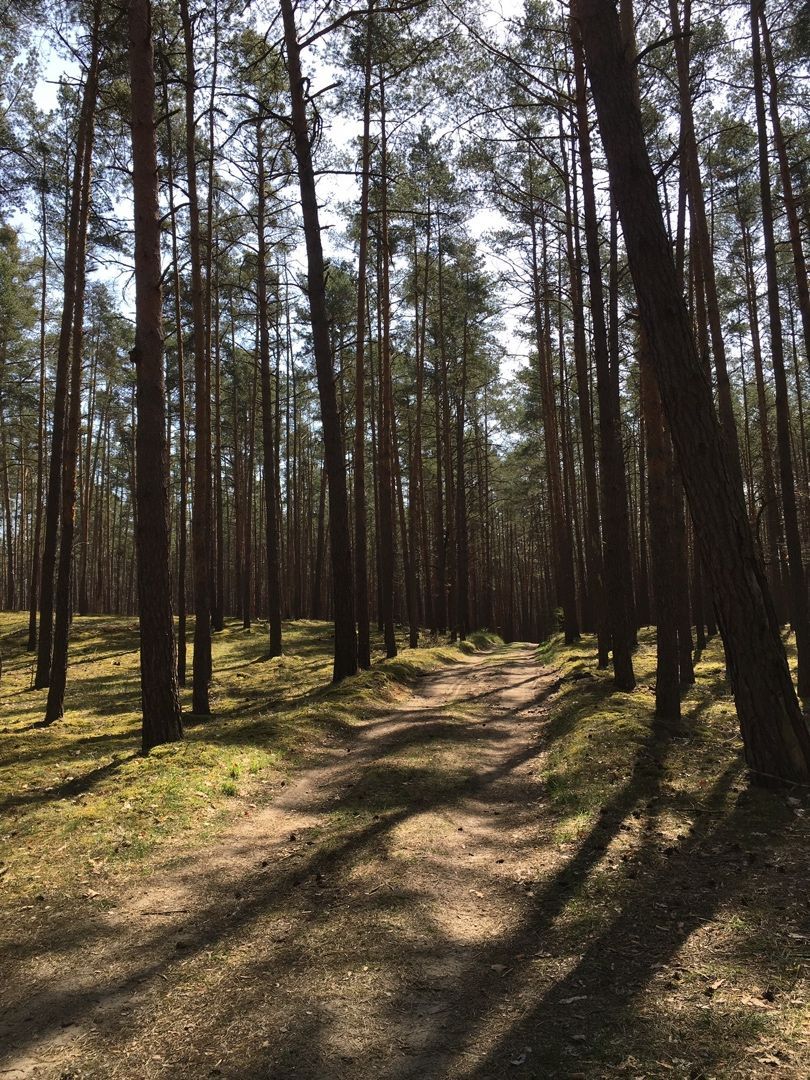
{"x": 81, "y": 789}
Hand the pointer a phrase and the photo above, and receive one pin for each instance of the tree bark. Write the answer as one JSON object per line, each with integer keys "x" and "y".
{"x": 43, "y": 296}
{"x": 612, "y": 474}
{"x": 54, "y": 708}
{"x": 360, "y": 511}
{"x": 799, "y": 616}
{"x": 201, "y": 511}
{"x": 161, "y": 708}
{"x": 270, "y": 520}
{"x": 53, "y": 499}
{"x": 345, "y": 661}
{"x": 775, "y": 734}
{"x": 667, "y": 686}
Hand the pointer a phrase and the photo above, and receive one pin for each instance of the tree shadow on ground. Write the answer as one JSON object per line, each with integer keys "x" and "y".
{"x": 328, "y": 960}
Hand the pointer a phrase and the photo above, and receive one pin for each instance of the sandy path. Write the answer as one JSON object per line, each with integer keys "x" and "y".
{"x": 348, "y": 928}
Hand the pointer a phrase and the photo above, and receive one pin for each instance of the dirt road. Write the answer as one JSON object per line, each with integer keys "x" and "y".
{"x": 354, "y": 925}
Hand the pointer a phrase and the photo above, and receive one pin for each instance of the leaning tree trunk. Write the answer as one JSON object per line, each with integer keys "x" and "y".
{"x": 775, "y": 734}
{"x": 334, "y": 460}
{"x": 618, "y": 591}
{"x": 161, "y": 708}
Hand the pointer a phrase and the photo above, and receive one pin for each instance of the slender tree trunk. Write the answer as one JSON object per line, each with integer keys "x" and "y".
{"x": 612, "y": 474}
{"x": 798, "y": 586}
{"x": 386, "y": 447}
{"x": 37, "y": 544}
{"x": 247, "y": 577}
{"x": 773, "y": 523}
{"x": 271, "y": 521}
{"x": 84, "y": 143}
{"x": 667, "y": 688}
{"x": 201, "y": 511}
{"x": 182, "y": 442}
{"x": 791, "y": 206}
{"x": 334, "y": 458}
{"x": 54, "y": 708}
{"x": 462, "y": 540}
{"x": 563, "y": 553}
{"x": 360, "y": 512}
{"x": 702, "y": 239}
{"x": 595, "y": 584}
{"x": 9, "y": 526}
{"x": 70, "y": 454}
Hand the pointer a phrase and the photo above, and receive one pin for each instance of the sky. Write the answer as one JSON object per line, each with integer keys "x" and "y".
{"x": 333, "y": 190}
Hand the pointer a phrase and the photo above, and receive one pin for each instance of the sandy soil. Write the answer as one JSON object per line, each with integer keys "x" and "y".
{"x": 345, "y": 928}
{"x": 408, "y": 907}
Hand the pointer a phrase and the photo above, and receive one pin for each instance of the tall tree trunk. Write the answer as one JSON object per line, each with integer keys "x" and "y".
{"x": 54, "y": 708}
{"x": 775, "y": 734}
{"x": 562, "y": 541}
{"x": 612, "y": 474}
{"x": 773, "y": 521}
{"x": 212, "y": 352}
{"x": 201, "y": 510}
{"x": 595, "y": 583}
{"x": 386, "y": 446}
{"x": 9, "y": 526}
{"x": 271, "y": 521}
{"x": 667, "y": 685}
{"x": 161, "y": 708}
{"x": 53, "y": 501}
{"x": 247, "y": 577}
{"x": 462, "y": 540}
{"x": 182, "y": 442}
{"x": 799, "y": 616}
{"x": 791, "y": 206}
{"x": 86, "y": 485}
{"x": 702, "y": 239}
{"x": 360, "y": 512}
{"x": 345, "y": 662}
{"x": 37, "y": 544}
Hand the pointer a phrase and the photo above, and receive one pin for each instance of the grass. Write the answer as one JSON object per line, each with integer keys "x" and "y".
{"x": 601, "y": 739}
{"x": 77, "y": 797}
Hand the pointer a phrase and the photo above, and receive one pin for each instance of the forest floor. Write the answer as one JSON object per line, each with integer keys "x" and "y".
{"x": 456, "y": 866}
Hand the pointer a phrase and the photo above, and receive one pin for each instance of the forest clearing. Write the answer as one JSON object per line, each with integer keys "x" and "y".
{"x": 476, "y": 865}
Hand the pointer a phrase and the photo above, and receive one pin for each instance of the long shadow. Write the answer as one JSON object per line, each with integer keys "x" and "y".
{"x": 68, "y": 789}
{"x": 618, "y": 963}
{"x": 218, "y": 922}
{"x": 104, "y": 742}
{"x": 634, "y": 945}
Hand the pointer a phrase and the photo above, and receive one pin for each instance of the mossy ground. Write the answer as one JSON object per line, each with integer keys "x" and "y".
{"x": 549, "y": 884}
{"x": 686, "y": 883}
{"x": 79, "y": 790}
